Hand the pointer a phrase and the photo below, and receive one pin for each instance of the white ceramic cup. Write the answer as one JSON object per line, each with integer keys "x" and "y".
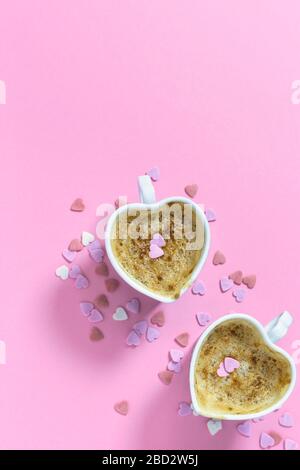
{"x": 147, "y": 198}
{"x": 274, "y": 331}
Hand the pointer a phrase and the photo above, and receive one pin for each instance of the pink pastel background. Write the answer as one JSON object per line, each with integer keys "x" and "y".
{"x": 98, "y": 92}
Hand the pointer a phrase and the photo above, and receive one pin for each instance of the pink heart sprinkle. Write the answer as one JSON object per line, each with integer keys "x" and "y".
{"x": 226, "y": 284}
{"x": 95, "y": 316}
{"x": 176, "y": 355}
{"x": 140, "y": 327}
{"x": 174, "y": 367}
{"x": 86, "y": 308}
{"x": 199, "y": 288}
{"x": 245, "y": 429}
{"x": 221, "y": 371}
{"x": 133, "y": 339}
{"x": 231, "y": 364}
{"x": 152, "y": 334}
{"x": 286, "y": 420}
{"x": 239, "y": 294}
{"x": 69, "y": 255}
{"x": 158, "y": 240}
{"x": 74, "y": 271}
{"x": 81, "y": 282}
{"x": 290, "y": 444}
{"x": 210, "y": 215}
{"x": 133, "y": 306}
{"x": 266, "y": 440}
{"x": 154, "y": 173}
{"x": 203, "y": 318}
{"x": 184, "y": 409}
{"x": 155, "y": 251}
{"x": 97, "y": 255}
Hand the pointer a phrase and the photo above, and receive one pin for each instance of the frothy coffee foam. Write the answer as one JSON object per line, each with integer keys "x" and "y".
{"x": 261, "y": 380}
{"x": 168, "y": 274}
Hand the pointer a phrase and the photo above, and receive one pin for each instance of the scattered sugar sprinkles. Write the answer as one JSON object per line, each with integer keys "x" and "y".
{"x": 214, "y": 426}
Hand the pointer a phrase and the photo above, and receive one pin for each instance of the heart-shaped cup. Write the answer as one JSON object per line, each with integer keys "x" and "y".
{"x": 147, "y": 197}
{"x": 268, "y": 335}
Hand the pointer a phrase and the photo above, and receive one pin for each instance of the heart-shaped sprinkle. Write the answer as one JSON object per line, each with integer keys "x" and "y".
{"x": 191, "y": 190}
{"x": 102, "y": 269}
{"x": 166, "y": 376}
{"x": 77, "y": 205}
{"x": 120, "y": 314}
{"x": 133, "y": 306}
{"x": 133, "y": 339}
{"x": 182, "y": 339}
{"x": 101, "y": 301}
{"x": 62, "y": 272}
{"x": 176, "y": 355}
{"x": 140, "y": 327}
{"x": 152, "y": 334}
{"x": 122, "y": 407}
{"x": 249, "y": 281}
{"x": 81, "y": 282}
{"x": 239, "y": 294}
{"x": 221, "y": 371}
{"x": 158, "y": 319}
{"x": 74, "y": 271}
{"x": 245, "y": 429}
{"x": 218, "y": 258}
{"x": 112, "y": 285}
{"x": 226, "y": 284}
{"x": 286, "y": 420}
{"x": 95, "y": 316}
{"x": 155, "y": 251}
{"x": 86, "y": 308}
{"x": 158, "y": 240}
{"x": 94, "y": 246}
{"x": 154, "y": 173}
{"x": 290, "y": 444}
{"x": 214, "y": 426}
{"x": 184, "y": 409}
{"x": 203, "y": 318}
{"x": 237, "y": 277}
{"x": 97, "y": 255}
{"x": 75, "y": 245}
{"x": 231, "y": 364}
{"x": 266, "y": 440}
{"x": 210, "y": 215}
{"x": 199, "y": 288}
{"x": 69, "y": 255}
{"x": 87, "y": 238}
{"x": 174, "y": 367}
{"x": 277, "y": 438}
{"x": 96, "y": 334}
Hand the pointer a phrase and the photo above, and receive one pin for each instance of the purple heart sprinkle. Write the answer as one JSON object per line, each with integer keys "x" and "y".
{"x": 226, "y": 284}
{"x": 95, "y": 245}
{"x": 266, "y": 440}
{"x": 203, "y": 318}
{"x": 210, "y": 215}
{"x": 140, "y": 327}
{"x": 133, "y": 339}
{"x": 245, "y": 429}
{"x": 239, "y": 294}
{"x": 198, "y": 288}
{"x": 152, "y": 334}
{"x": 86, "y": 308}
{"x": 286, "y": 420}
{"x": 174, "y": 366}
{"x": 81, "y": 282}
{"x": 184, "y": 409}
{"x": 176, "y": 355}
{"x": 154, "y": 173}
{"x": 158, "y": 240}
{"x": 97, "y": 255}
{"x": 74, "y": 271}
{"x": 95, "y": 316}
{"x": 69, "y": 255}
{"x": 133, "y": 306}
{"x": 155, "y": 251}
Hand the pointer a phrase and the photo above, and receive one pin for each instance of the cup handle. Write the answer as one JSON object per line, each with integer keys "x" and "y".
{"x": 278, "y": 327}
{"x": 146, "y": 189}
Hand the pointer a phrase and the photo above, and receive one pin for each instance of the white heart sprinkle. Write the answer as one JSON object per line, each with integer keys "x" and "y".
{"x": 120, "y": 314}
{"x": 87, "y": 238}
{"x": 62, "y": 272}
{"x": 214, "y": 426}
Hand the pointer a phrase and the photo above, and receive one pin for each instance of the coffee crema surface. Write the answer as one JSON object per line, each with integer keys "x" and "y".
{"x": 261, "y": 380}
{"x": 168, "y": 274}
